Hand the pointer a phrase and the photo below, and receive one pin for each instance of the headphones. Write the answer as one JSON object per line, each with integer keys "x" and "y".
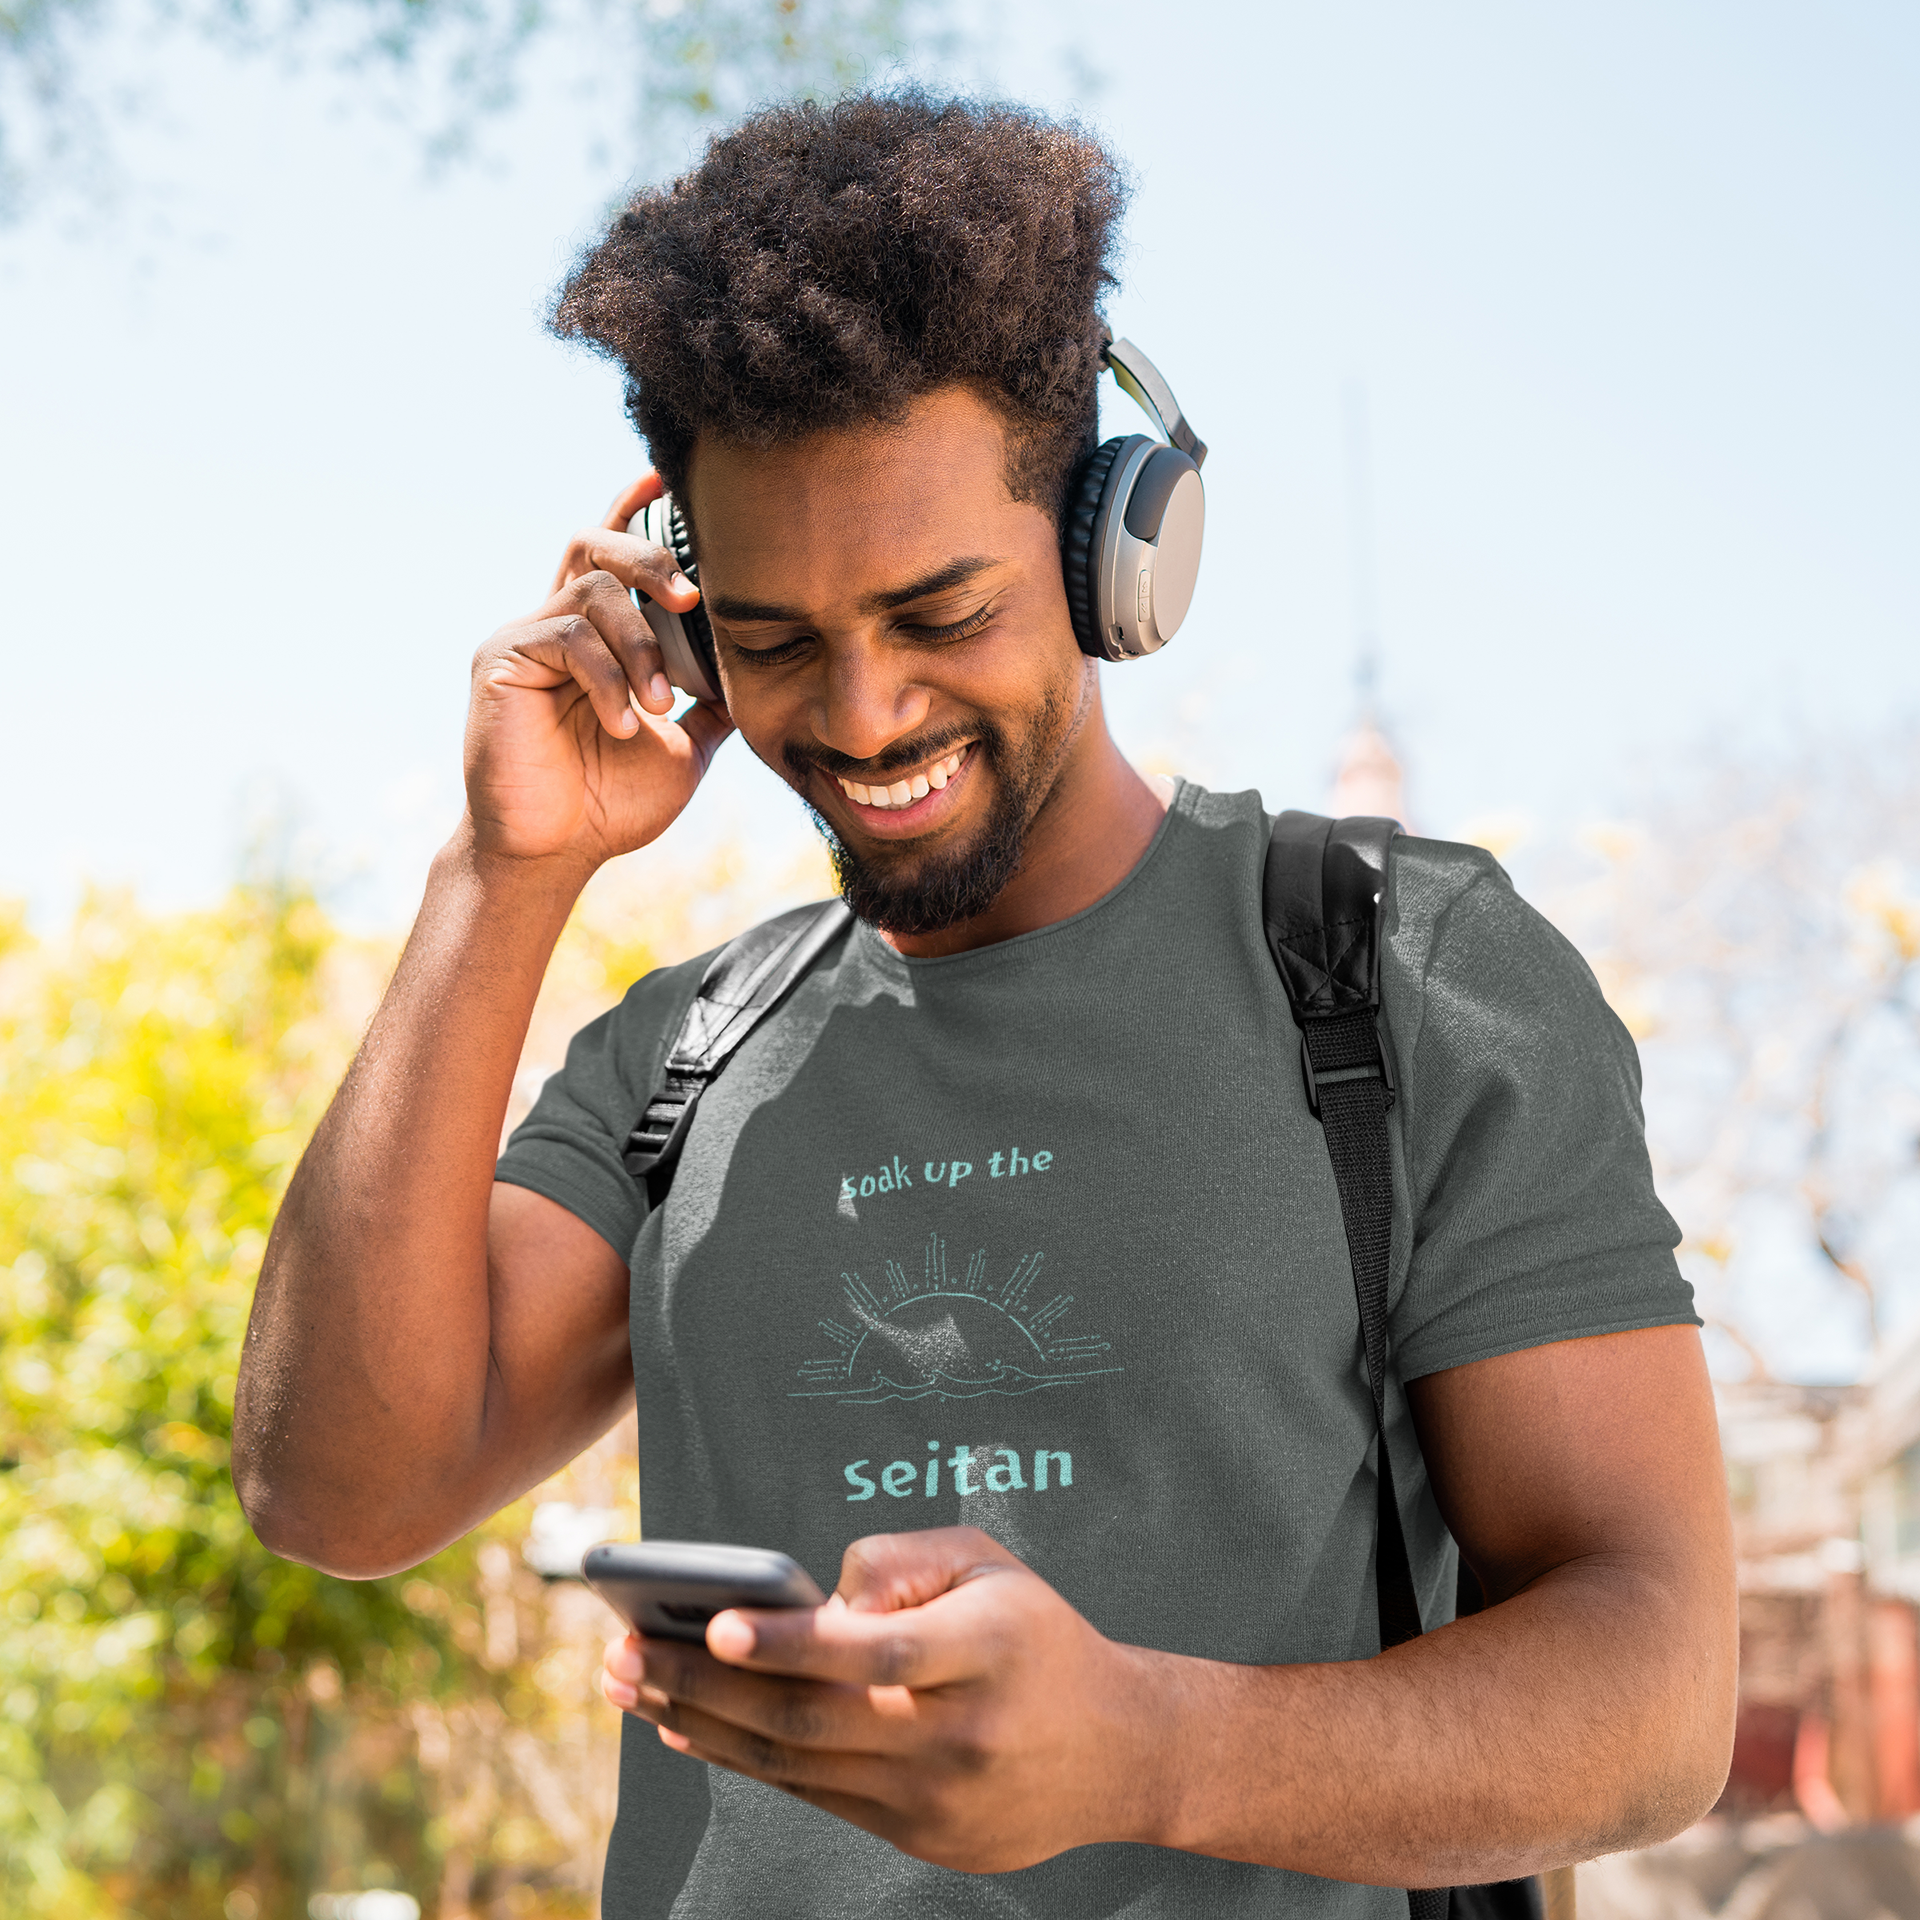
{"x": 1129, "y": 545}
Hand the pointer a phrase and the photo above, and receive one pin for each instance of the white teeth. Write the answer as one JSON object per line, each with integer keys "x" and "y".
{"x": 903, "y": 793}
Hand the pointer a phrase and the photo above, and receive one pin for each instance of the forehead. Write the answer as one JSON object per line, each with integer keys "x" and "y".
{"x": 848, "y": 511}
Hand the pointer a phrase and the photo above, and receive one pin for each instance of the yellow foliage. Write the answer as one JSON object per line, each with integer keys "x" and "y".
{"x": 167, "y": 1687}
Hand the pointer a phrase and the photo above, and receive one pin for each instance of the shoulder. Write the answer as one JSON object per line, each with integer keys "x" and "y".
{"x": 1459, "y": 936}
{"x": 1429, "y": 878}
{"x": 1497, "y": 1023}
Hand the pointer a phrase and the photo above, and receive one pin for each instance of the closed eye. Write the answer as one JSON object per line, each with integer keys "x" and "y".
{"x": 960, "y": 630}
{"x": 771, "y": 656}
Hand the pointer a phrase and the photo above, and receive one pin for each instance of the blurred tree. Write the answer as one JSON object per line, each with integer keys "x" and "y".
{"x": 1759, "y": 931}
{"x": 68, "y": 71}
{"x": 170, "y": 1693}
{"x": 190, "y": 1728}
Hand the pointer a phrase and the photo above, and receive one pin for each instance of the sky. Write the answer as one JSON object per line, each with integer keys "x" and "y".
{"x": 1629, "y": 297}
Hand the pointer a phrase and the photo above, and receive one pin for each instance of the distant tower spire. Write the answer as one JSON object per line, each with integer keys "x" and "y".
{"x": 1366, "y": 617}
{"x": 1369, "y": 779}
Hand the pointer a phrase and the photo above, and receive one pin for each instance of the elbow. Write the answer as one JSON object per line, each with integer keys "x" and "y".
{"x": 1679, "y": 1782}
{"x": 288, "y": 1527}
{"x": 295, "y": 1525}
{"x": 1700, "y": 1777}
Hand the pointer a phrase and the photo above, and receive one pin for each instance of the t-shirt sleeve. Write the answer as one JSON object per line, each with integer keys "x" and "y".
{"x": 568, "y": 1148}
{"x": 1530, "y": 1196}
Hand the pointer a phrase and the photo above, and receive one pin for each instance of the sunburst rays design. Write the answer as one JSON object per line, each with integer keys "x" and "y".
{"x": 938, "y": 1338}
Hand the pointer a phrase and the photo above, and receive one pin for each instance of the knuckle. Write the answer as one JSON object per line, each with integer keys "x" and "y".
{"x": 938, "y": 1808}
{"x": 797, "y": 1720}
{"x": 896, "y": 1658}
{"x": 973, "y": 1749}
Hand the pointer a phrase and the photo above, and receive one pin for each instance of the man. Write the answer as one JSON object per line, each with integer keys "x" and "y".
{"x": 1004, "y": 1268}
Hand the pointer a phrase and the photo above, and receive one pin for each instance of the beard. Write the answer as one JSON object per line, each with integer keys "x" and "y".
{"x": 938, "y": 890}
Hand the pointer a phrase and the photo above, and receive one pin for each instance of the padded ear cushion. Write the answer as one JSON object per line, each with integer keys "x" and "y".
{"x": 1078, "y": 558}
{"x": 695, "y": 624}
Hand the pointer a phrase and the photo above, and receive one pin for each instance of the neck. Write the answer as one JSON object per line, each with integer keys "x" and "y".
{"x": 1090, "y": 833}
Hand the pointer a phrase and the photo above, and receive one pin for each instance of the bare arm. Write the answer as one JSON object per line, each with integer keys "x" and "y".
{"x": 425, "y": 1345}
{"x": 1589, "y": 1709}
{"x": 950, "y": 1701}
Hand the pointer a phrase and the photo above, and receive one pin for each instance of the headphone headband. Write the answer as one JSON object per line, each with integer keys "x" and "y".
{"x": 1145, "y": 382}
{"x": 1130, "y": 537}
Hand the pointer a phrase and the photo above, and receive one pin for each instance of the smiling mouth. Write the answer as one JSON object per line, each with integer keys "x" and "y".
{"x": 910, "y": 787}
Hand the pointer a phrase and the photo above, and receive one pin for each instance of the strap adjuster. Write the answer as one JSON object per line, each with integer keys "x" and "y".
{"x": 653, "y": 1148}
{"x": 1377, "y": 1068}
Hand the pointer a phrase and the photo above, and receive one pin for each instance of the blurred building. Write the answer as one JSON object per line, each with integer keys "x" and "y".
{"x": 1826, "y": 1498}
{"x": 1369, "y": 779}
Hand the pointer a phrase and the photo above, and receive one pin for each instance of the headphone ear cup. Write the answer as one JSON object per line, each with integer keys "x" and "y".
{"x": 699, "y": 629}
{"x": 1080, "y": 545}
{"x": 686, "y": 639}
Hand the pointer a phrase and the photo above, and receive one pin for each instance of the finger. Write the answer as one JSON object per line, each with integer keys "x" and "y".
{"x": 626, "y": 503}
{"x": 886, "y": 1577}
{"x": 572, "y": 645}
{"x": 859, "y": 1776}
{"x": 628, "y": 636}
{"x": 632, "y": 561}
{"x": 797, "y": 1713}
{"x": 885, "y": 1571}
{"x": 951, "y": 1639}
{"x": 631, "y": 498}
{"x": 620, "y": 1670}
{"x": 892, "y": 1824}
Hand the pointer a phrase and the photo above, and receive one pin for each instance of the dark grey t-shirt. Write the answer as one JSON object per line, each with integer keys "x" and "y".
{"x": 1044, "y": 1238}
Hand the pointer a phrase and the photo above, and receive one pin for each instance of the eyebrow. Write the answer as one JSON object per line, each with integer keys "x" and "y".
{"x": 955, "y": 573}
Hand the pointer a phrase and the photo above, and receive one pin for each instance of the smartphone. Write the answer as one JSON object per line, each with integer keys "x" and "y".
{"x": 670, "y": 1589}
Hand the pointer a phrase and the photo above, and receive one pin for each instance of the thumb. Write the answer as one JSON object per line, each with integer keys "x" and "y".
{"x": 888, "y": 1571}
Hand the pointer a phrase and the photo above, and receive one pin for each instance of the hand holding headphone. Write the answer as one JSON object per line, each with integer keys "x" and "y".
{"x": 1130, "y": 545}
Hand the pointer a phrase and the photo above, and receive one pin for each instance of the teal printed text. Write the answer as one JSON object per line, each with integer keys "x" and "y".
{"x": 1052, "y": 1468}
{"x": 1007, "y": 1163}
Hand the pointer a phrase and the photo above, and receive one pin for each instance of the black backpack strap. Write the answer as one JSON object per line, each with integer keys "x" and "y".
{"x": 744, "y": 982}
{"x": 1324, "y": 906}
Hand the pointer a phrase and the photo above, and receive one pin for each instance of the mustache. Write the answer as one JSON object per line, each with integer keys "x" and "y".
{"x": 910, "y": 753}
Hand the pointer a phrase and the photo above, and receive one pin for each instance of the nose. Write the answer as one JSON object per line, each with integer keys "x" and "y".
{"x": 867, "y": 700}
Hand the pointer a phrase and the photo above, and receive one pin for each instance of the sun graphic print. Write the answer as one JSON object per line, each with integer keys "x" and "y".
{"x": 946, "y": 1339}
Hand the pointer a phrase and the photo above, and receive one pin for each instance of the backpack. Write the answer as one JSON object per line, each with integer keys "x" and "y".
{"x": 1323, "y": 907}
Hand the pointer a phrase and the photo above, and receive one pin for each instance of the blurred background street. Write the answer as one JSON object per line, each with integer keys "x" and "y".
{"x": 1559, "y": 374}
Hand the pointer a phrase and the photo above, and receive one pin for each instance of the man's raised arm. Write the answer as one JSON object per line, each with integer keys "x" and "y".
{"x": 425, "y": 1345}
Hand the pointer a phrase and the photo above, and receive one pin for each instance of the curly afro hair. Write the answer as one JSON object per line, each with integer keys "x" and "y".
{"x": 824, "y": 266}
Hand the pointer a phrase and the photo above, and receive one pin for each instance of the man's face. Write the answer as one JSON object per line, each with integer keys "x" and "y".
{"x": 893, "y": 638}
